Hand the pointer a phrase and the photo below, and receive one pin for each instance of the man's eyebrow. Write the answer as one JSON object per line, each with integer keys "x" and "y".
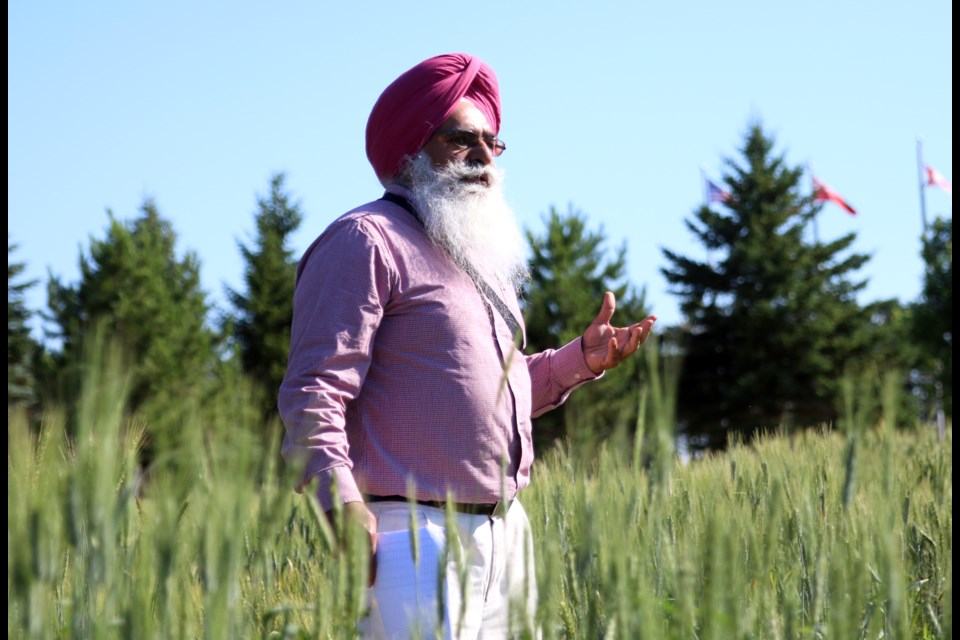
{"x": 476, "y": 132}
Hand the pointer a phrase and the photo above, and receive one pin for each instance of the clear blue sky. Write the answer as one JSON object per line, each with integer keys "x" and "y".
{"x": 612, "y": 108}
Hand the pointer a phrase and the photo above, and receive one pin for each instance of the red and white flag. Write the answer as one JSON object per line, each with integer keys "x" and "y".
{"x": 936, "y": 179}
{"x": 822, "y": 192}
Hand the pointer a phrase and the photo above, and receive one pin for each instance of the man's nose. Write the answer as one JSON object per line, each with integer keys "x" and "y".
{"x": 480, "y": 153}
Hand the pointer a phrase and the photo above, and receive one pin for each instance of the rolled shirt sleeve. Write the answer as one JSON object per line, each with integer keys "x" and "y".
{"x": 554, "y": 374}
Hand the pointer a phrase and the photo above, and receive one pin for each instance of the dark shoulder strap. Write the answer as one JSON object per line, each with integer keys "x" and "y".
{"x": 403, "y": 202}
{"x": 501, "y": 306}
{"x": 482, "y": 285}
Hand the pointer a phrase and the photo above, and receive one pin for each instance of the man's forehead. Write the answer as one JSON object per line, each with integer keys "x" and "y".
{"x": 468, "y": 117}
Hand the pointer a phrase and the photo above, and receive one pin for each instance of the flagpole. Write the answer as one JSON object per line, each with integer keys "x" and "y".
{"x": 706, "y": 203}
{"x": 813, "y": 219}
{"x": 923, "y": 186}
{"x": 938, "y": 364}
{"x": 703, "y": 186}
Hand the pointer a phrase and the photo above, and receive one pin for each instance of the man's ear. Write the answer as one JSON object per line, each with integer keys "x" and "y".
{"x": 403, "y": 178}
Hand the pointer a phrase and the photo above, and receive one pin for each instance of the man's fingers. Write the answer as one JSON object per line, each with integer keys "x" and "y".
{"x": 373, "y": 559}
{"x": 607, "y": 307}
{"x": 638, "y": 334}
{"x": 372, "y": 532}
{"x": 356, "y": 514}
{"x": 630, "y": 337}
{"x": 646, "y": 327}
{"x": 613, "y": 355}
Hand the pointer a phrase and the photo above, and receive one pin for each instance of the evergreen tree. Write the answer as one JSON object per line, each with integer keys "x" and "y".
{"x": 772, "y": 321}
{"x": 150, "y": 301}
{"x": 21, "y": 347}
{"x": 261, "y": 325}
{"x": 933, "y": 318}
{"x": 569, "y": 276}
{"x": 892, "y": 351}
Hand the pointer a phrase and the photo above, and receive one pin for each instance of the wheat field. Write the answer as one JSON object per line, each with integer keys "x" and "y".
{"x": 831, "y": 533}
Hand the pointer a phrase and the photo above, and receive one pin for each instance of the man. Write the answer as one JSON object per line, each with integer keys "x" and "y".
{"x": 406, "y": 379}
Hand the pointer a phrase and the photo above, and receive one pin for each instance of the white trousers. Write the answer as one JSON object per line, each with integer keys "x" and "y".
{"x": 481, "y": 585}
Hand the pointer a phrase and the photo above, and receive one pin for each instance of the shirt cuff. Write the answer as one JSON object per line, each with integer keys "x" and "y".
{"x": 570, "y": 367}
{"x": 346, "y": 487}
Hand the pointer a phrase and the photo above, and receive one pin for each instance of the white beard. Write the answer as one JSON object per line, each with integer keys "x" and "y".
{"x": 471, "y": 222}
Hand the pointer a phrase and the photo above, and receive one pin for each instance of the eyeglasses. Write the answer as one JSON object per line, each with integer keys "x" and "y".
{"x": 461, "y": 140}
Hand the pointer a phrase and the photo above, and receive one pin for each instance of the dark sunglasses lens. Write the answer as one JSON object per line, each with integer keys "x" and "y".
{"x": 470, "y": 139}
{"x": 465, "y": 140}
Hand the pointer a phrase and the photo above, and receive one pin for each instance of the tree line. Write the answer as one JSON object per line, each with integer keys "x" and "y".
{"x": 771, "y": 322}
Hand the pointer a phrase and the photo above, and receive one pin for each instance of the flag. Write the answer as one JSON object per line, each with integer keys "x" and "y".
{"x": 821, "y": 192}
{"x": 715, "y": 193}
{"x": 936, "y": 179}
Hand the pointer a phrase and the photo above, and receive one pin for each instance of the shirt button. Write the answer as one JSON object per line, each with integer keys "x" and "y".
{"x": 576, "y": 376}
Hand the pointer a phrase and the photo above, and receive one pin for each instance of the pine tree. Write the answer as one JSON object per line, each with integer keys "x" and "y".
{"x": 933, "y": 317}
{"x": 772, "y": 321}
{"x": 21, "y": 347}
{"x": 569, "y": 275}
{"x": 148, "y": 300}
{"x": 261, "y": 325}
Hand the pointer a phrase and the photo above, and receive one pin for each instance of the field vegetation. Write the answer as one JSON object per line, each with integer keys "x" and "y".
{"x": 842, "y": 532}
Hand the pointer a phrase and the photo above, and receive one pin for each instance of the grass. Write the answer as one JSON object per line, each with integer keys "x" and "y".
{"x": 842, "y": 533}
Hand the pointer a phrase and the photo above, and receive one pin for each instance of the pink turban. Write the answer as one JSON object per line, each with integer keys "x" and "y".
{"x": 416, "y": 104}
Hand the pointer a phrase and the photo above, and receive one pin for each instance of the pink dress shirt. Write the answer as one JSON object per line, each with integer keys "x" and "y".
{"x": 397, "y": 365}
